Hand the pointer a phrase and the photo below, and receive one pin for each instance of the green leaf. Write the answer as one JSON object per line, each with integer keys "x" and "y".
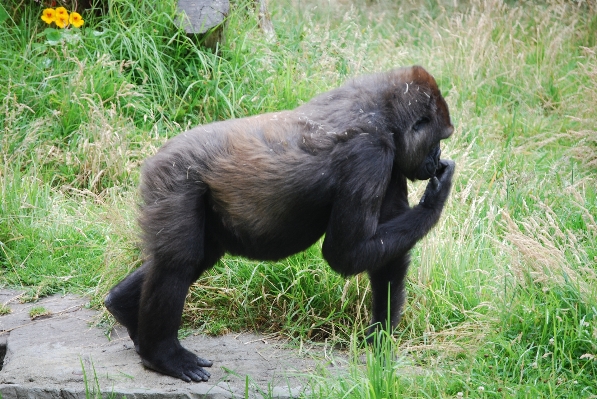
{"x": 53, "y": 36}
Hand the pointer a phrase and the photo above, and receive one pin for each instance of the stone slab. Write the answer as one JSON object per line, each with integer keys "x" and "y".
{"x": 65, "y": 353}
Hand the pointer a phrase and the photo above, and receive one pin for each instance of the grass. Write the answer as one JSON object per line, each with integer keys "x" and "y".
{"x": 501, "y": 295}
{"x": 38, "y": 311}
{"x": 4, "y": 310}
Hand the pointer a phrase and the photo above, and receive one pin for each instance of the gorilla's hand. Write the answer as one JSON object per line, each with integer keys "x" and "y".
{"x": 439, "y": 186}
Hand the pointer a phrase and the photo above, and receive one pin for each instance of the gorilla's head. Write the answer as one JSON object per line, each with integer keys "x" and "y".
{"x": 419, "y": 119}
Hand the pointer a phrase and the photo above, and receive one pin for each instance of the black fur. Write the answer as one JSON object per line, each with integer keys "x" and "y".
{"x": 271, "y": 185}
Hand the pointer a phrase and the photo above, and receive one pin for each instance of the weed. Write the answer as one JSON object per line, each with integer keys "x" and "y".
{"x": 37, "y": 312}
{"x": 4, "y": 309}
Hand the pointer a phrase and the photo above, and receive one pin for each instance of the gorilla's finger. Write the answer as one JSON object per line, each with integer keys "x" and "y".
{"x": 204, "y": 363}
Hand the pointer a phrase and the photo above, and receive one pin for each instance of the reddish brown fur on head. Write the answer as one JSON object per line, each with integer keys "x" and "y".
{"x": 420, "y": 76}
{"x": 424, "y": 78}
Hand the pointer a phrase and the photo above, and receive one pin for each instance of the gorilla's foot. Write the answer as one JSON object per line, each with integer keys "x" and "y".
{"x": 379, "y": 331}
{"x": 373, "y": 332}
{"x": 174, "y": 360}
{"x": 123, "y": 315}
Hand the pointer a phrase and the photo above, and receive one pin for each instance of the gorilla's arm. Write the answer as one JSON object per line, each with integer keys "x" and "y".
{"x": 403, "y": 232}
{"x": 354, "y": 250}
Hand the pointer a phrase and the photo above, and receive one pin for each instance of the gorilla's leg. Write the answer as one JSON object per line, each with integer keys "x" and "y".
{"x": 179, "y": 251}
{"x": 123, "y": 301}
{"x": 387, "y": 282}
{"x": 387, "y": 289}
{"x": 160, "y": 314}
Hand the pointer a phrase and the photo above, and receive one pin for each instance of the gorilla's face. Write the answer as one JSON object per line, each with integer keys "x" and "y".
{"x": 422, "y": 120}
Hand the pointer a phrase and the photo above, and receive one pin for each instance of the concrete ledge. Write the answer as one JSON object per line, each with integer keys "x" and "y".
{"x": 55, "y": 357}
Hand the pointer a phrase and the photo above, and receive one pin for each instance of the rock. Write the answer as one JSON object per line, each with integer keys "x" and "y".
{"x": 199, "y": 17}
{"x": 66, "y": 354}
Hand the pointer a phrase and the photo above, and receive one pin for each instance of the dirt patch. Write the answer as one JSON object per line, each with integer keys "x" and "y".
{"x": 63, "y": 353}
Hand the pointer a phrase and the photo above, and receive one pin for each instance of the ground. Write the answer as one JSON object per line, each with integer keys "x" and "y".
{"x": 61, "y": 354}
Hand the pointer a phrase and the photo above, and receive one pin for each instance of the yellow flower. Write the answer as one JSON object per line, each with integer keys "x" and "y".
{"x": 48, "y": 15}
{"x": 61, "y": 12}
{"x": 76, "y": 20}
{"x": 61, "y": 21}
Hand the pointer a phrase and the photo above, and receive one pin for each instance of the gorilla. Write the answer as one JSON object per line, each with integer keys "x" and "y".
{"x": 268, "y": 186}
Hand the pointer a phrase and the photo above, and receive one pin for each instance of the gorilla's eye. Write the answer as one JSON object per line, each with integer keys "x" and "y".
{"x": 420, "y": 124}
